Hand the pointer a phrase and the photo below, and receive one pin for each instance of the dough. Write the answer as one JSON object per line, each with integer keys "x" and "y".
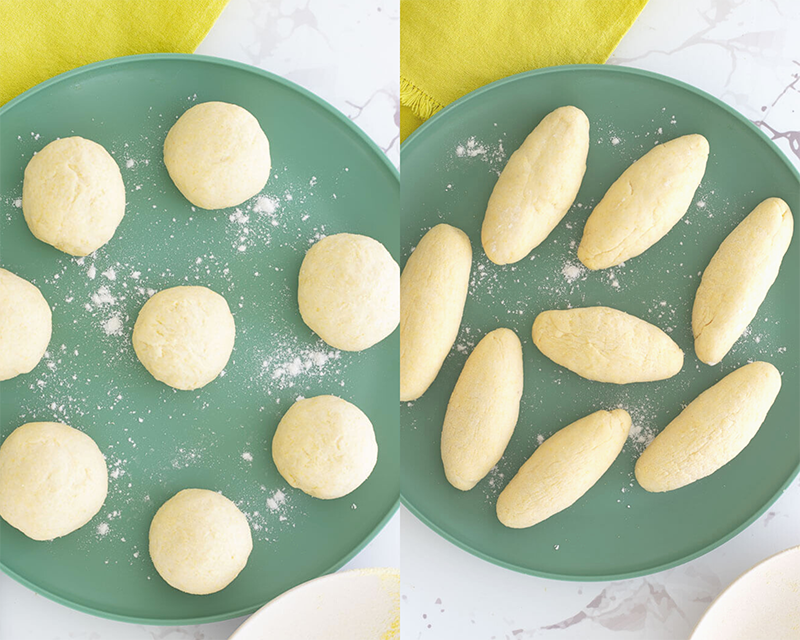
{"x": 184, "y": 336}
{"x": 433, "y": 290}
{"x": 217, "y": 155}
{"x": 25, "y": 325}
{"x": 73, "y": 196}
{"x": 738, "y": 278}
{"x": 645, "y": 202}
{"x": 711, "y": 431}
{"x": 53, "y": 479}
{"x": 325, "y": 446}
{"x": 483, "y": 409}
{"x": 537, "y": 186}
{"x": 199, "y": 541}
{"x": 607, "y": 345}
{"x": 349, "y": 291}
{"x": 563, "y": 468}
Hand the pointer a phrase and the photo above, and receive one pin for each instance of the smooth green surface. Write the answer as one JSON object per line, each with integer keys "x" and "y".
{"x": 168, "y": 440}
{"x": 617, "y": 529}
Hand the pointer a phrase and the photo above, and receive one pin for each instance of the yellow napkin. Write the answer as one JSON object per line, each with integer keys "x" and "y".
{"x": 451, "y": 47}
{"x": 42, "y": 38}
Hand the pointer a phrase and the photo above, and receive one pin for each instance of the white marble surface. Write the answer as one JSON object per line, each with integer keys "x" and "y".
{"x": 748, "y": 54}
{"x": 347, "y": 52}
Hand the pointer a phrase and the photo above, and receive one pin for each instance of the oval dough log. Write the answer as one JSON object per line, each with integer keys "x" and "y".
{"x": 645, "y": 202}
{"x": 184, "y": 336}
{"x": 711, "y": 431}
{"x": 563, "y": 468}
{"x": 738, "y": 278}
{"x": 483, "y": 409}
{"x": 433, "y": 290}
{"x": 25, "y": 325}
{"x": 73, "y": 196}
{"x": 199, "y": 541}
{"x": 325, "y": 446}
{"x": 607, "y": 345}
{"x": 53, "y": 479}
{"x": 349, "y": 291}
{"x": 217, "y": 155}
{"x": 537, "y": 186}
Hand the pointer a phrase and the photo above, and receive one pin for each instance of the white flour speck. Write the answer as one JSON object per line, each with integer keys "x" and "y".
{"x": 103, "y": 296}
{"x": 266, "y": 204}
{"x": 113, "y": 325}
{"x": 470, "y": 149}
{"x": 275, "y": 501}
{"x": 238, "y": 217}
{"x": 572, "y": 271}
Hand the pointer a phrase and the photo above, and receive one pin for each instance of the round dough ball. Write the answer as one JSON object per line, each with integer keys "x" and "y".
{"x": 53, "y": 479}
{"x": 325, "y": 446}
{"x": 73, "y": 196}
{"x": 199, "y": 541}
{"x": 184, "y": 336}
{"x": 25, "y": 325}
{"x": 349, "y": 291}
{"x": 217, "y": 155}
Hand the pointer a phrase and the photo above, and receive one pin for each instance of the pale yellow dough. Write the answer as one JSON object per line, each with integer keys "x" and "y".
{"x": 711, "y": 431}
{"x": 433, "y": 290}
{"x": 537, "y": 186}
{"x": 199, "y": 541}
{"x": 738, "y": 278}
{"x": 217, "y": 155}
{"x": 607, "y": 345}
{"x": 184, "y": 336}
{"x": 483, "y": 409}
{"x": 25, "y": 325}
{"x": 563, "y": 468}
{"x": 53, "y": 479}
{"x": 349, "y": 291}
{"x": 325, "y": 446}
{"x": 645, "y": 202}
{"x": 73, "y": 196}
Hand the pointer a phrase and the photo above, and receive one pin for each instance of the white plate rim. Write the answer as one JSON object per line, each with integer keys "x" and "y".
{"x": 708, "y": 612}
{"x": 253, "y": 620}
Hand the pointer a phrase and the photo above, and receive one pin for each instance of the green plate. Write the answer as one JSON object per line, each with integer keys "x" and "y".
{"x": 616, "y": 530}
{"x": 327, "y": 178}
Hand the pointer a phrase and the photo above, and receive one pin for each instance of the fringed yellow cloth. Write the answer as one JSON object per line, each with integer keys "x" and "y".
{"x": 451, "y": 47}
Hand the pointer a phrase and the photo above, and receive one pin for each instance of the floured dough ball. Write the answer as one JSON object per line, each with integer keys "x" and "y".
{"x": 325, "y": 446}
{"x": 73, "y": 196}
{"x": 53, "y": 479}
{"x": 199, "y": 541}
{"x": 349, "y": 291}
{"x": 25, "y": 325}
{"x": 184, "y": 336}
{"x": 217, "y": 155}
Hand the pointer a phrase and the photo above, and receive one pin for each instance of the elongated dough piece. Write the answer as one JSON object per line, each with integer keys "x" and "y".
{"x": 537, "y": 186}
{"x": 607, "y": 345}
{"x": 645, "y": 202}
{"x": 711, "y": 431}
{"x": 433, "y": 290}
{"x": 483, "y": 409}
{"x": 563, "y": 468}
{"x": 738, "y": 278}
